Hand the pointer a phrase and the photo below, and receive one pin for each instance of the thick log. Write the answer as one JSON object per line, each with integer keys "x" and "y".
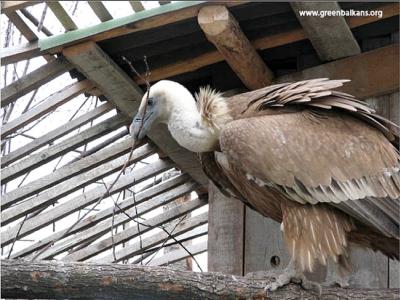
{"x": 221, "y": 29}
{"x": 34, "y": 80}
{"x": 73, "y": 280}
{"x": 330, "y": 36}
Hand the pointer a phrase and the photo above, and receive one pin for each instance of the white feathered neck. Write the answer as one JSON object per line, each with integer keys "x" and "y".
{"x": 195, "y": 124}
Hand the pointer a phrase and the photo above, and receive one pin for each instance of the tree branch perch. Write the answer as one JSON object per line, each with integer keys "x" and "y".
{"x": 76, "y": 280}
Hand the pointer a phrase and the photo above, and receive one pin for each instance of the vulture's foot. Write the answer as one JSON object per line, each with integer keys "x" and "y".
{"x": 290, "y": 274}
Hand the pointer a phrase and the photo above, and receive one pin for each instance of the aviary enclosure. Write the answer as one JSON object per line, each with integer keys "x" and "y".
{"x": 90, "y": 212}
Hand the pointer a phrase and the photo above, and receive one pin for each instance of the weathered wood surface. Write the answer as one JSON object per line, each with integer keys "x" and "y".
{"x": 267, "y": 42}
{"x": 72, "y": 280}
{"x": 50, "y": 103}
{"x": 10, "y": 6}
{"x": 136, "y": 6}
{"x": 100, "y": 10}
{"x": 104, "y": 214}
{"x": 68, "y": 171}
{"x": 62, "y": 16}
{"x": 40, "y": 158}
{"x": 54, "y": 134}
{"x": 226, "y": 233}
{"x": 330, "y": 36}
{"x": 125, "y": 94}
{"x": 119, "y": 219}
{"x": 15, "y": 54}
{"x": 372, "y": 73}
{"x": 221, "y": 29}
{"x": 132, "y": 232}
{"x": 72, "y": 205}
{"x": 34, "y": 80}
{"x": 25, "y": 30}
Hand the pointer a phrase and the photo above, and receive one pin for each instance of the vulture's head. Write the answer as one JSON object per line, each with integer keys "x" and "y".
{"x": 166, "y": 99}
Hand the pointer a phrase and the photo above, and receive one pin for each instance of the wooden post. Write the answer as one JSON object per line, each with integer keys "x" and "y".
{"x": 225, "y": 233}
{"x": 224, "y": 32}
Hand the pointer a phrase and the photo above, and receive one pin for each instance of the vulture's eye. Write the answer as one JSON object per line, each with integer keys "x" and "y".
{"x": 150, "y": 102}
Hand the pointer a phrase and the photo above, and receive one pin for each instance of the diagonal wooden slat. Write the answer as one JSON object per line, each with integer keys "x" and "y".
{"x": 66, "y": 172}
{"x": 15, "y": 54}
{"x": 25, "y": 30}
{"x": 33, "y": 161}
{"x": 51, "y": 103}
{"x": 97, "y": 66}
{"x": 89, "y": 222}
{"x": 62, "y": 16}
{"x": 152, "y": 241}
{"x": 34, "y": 80}
{"x": 132, "y": 232}
{"x": 55, "y": 134}
{"x": 100, "y": 10}
{"x": 76, "y": 203}
{"x": 10, "y": 6}
{"x": 68, "y": 186}
{"x": 330, "y": 36}
{"x": 104, "y": 227}
{"x": 136, "y": 6}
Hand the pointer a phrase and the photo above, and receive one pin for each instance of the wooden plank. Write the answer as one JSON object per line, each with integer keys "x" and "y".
{"x": 177, "y": 255}
{"x": 267, "y": 42}
{"x": 35, "y": 22}
{"x": 379, "y": 65}
{"x": 104, "y": 214}
{"x": 330, "y": 36}
{"x": 25, "y": 30}
{"x": 225, "y": 233}
{"x": 66, "y": 172}
{"x": 34, "y": 80}
{"x": 68, "y": 186}
{"x": 100, "y": 10}
{"x": 119, "y": 219}
{"x": 131, "y": 232}
{"x": 136, "y": 6}
{"x": 158, "y": 238}
{"x": 40, "y": 158}
{"x": 11, "y": 6}
{"x": 97, "y": 66}
{"x": 80, "y": 201}
{"x": 62, "y": 15}
{"x": 15, "y": 54}
{"x": 222, "y": 29}
{"x": 51, "y": 103}
{"x": 55, "y": 134}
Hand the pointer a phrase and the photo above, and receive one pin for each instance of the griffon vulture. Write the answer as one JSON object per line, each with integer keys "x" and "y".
{"x": 318, "y": 161}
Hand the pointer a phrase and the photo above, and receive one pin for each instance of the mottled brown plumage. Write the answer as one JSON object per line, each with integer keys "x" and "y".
{"x": 319, "y": 161}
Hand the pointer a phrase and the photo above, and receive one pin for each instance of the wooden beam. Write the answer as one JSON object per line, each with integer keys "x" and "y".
{"x": 97, "y": 66}
{"x": 62, "y": 15}
{"x": 134, "y": 231}
{"x": 158, "y": 238}
{"x": 66, "y": 187}
{"x": 104, "y": 214}
{"x": 37, "y": 159}
{"x": 51, "y": 103}
{"x": 178, "y": 255}
{"x": 68, "y": 171}
{"x": 73, "y": 280}
{"x": 221, "y": 29}
{"x": 34, "y": 80}
{"x": 330, "y": 36}
{"x": 11, "y": 6}
{"x": 35, "y": 22}
{"x": 15, "y": 54}
{"x": 100, "y": 10}
{"x": 136, "y": 6}
{"x": 74, "y": 204}
{"x": 25, "y": 30}
{"x": 267, "y": 42}
{"x": 380, "y": 65}
{"x": 52, "y": 135}
{"x": 104, "y": 227}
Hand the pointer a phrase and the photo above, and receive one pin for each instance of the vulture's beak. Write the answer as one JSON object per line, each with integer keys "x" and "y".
{"x": 142, "y": 122}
